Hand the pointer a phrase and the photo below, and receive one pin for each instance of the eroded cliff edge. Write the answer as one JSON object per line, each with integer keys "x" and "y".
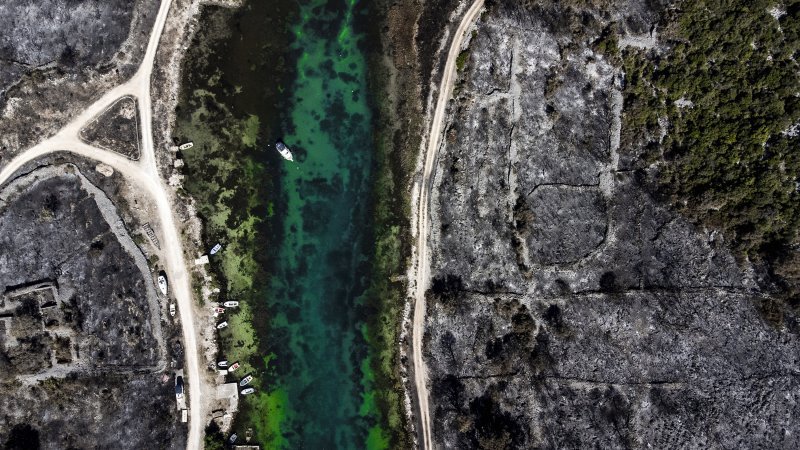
{"x": 568, "y": 307}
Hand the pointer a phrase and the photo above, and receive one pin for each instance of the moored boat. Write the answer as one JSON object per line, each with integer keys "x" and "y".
{"x": 186, "y": 146}
{"x": 233, "y": 367}
{"x": 248, "y": 391}
{"x": 223, "y": 364}
{"x": 230, "y": 304}
{"x": 219, "y": 310}
{"x": 222, "y": 325}
{"x": 215, "y": 249}
{"x": 284, "y": 151}
{"x": 246, "y": 380}
{"x": 172, "y": 309}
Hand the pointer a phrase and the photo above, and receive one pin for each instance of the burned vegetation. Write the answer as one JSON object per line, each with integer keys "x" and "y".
{"x": 116, "y": 129}
{"x": 82, "y": 358}
{"x": 571, "y": 307}
{"x": 56, "y": 55}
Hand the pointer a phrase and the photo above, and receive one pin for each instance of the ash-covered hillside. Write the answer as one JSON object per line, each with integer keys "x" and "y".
{"x": 570, "y": 308}
{"x": 56, "y": 56}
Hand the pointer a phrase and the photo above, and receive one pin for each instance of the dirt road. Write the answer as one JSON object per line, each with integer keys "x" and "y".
{"x": 144, "y": 174}
{"x": 421, "y": 265}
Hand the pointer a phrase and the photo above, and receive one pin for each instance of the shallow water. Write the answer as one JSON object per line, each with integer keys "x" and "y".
{"x": 296, "y": 235}
{"x": 320, "y": 396}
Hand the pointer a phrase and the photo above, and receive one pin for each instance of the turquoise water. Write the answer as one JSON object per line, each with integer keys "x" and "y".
{"x": 320, "y": 397}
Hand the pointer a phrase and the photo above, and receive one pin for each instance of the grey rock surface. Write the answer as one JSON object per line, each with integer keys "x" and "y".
{"x": 569, "y": 309}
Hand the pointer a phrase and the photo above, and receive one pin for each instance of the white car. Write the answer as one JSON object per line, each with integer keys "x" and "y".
{"x": 162, "y": 284}
{"x": 179, "y": 387}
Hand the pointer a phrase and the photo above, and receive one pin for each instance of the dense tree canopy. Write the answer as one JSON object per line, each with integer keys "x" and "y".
{"x": 720, "y": 111}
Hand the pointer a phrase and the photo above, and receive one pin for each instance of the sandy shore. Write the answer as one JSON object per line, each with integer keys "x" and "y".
{"x": 181, "y": 26}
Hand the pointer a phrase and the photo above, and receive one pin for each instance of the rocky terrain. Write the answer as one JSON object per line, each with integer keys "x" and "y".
{"x": 569, "y": 308}
{"x": 56, "y": 56}
{"x": 81, "y": 338}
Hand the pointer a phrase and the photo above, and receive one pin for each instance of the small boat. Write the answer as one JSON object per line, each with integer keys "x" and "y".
{"x": 172, "y": 309}
{"x": 246, "y": 380}
{"x": 186, "y": 146}
{"x": 219, "y": 310}
{"x": 215, "y": 249}
{"x": 233, "y": 438}
{"x": 222, "y": 325}
{"x": 223, "y": 364}
{"x": 284, "y": 151}
{"x": 233, "y": 367}
{"x": 230, "y": 304}
{"x": 162, "y": 284}
{"x": 248, "y": 391}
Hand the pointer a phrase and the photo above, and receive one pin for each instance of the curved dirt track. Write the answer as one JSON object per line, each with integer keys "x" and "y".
{"x": 421, "y": 264}
{"x": 144, "y": 174}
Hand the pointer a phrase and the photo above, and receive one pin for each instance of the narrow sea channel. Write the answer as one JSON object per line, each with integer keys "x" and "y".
{"x": 320, "y": 397}
{"x": 297, "y": 235}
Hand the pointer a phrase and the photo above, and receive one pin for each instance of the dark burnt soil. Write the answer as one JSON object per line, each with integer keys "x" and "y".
{"x": 57, "y": 56}
{"x": 116, "y": 129}
{"x": 79, "y": 356}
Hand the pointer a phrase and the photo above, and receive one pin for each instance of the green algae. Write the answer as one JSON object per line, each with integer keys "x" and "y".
{"x": 298, "y": 252}
{"x": 323, "y": 362}
{"x": 250, "y": 132}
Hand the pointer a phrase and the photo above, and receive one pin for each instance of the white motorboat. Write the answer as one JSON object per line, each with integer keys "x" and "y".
{"x": 248, "y": 391}
{"x": 246, "y": 380}
{"x": 223, "y": 364}
{"x": 222, "y": 325}
{"x": 230, "y": 304}
{"x": 172, "y": 309}
{"x": 215, "y": 249}
{"x": 284, "y": 151}
{"x": 186, "y": 146}
{"x": 162, "y": 284}
{"x": 233, "y": 367}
